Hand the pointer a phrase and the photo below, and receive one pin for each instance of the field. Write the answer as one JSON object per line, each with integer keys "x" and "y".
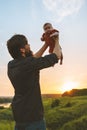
{"x": 70, "y": 114}
{"x": 63, "y": 113}
{"x": 6, "y": 119}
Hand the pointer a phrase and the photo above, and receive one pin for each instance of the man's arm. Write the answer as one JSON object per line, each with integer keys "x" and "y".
{"x": 43, "y": 62}
{"x": 41, "y": 51}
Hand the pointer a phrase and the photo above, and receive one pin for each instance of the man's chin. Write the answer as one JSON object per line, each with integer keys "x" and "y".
{"x": 30, "y": 53}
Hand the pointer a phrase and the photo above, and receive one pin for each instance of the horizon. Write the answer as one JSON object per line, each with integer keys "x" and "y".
{"x": 58, "y": 94}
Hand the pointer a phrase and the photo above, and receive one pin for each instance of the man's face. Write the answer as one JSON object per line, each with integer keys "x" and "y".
{"x": 48, "y": 27}
{"x": 26, "y": 51}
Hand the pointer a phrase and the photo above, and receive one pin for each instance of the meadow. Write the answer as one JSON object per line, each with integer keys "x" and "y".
{"x": 63, "y": 113}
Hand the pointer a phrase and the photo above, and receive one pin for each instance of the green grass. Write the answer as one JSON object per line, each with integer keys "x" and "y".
{"x": 76, "y": 124}
{"x": 6, "y": 119}
{"x": 6, "y": 125}
{"x": 67, "y": 118}
{"x": 62, "y": 117}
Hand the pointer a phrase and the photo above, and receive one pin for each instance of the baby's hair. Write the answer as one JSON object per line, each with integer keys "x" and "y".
{"x": 46, "y": 24}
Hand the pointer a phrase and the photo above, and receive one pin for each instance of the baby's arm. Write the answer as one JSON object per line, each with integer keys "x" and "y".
{"x": 54, "y": 34}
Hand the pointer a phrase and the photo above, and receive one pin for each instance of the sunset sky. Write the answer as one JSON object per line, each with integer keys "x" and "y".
{"x": 27, "y": 17}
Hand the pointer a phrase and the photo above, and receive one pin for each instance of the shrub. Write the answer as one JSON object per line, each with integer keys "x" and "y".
{"x": 1, "y": 107}
{"x": 55, "y": 103}
{"x": 68, "y": 104}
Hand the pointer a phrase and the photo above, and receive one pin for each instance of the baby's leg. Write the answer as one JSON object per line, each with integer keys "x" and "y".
{"x": 54, "y": 34}
{"x": 61, "y": 60}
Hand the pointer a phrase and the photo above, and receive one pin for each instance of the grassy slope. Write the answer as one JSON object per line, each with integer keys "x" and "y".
{"x": 6, "y": 118}
{"x": 57, "y": 118}
{"x": 67, "y": 118}
{"x": 6, "y": 125}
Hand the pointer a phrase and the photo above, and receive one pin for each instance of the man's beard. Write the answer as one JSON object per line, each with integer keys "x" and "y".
{"x": 30, "y": 53}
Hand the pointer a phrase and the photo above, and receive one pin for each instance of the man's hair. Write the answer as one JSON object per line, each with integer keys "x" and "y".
{"x": 15, "y": 43}
{"x": 46, "y": 24}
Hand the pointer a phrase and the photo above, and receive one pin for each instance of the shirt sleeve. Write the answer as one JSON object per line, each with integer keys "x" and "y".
{"x": 44, "y": 62}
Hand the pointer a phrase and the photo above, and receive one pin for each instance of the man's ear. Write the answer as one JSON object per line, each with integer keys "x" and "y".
{"x": 22, "y": 50}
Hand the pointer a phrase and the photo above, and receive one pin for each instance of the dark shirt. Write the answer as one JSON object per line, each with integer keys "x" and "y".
{"x": 24, "y": 75}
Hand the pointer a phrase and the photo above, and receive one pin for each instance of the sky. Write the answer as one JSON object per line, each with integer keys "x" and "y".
{"x": 27, "y": 17}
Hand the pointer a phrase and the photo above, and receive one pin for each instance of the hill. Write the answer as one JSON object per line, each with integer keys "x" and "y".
{"x": 5, "y": 100}
{"x": 75, "y": 92}
{"x": 69, "y": 114}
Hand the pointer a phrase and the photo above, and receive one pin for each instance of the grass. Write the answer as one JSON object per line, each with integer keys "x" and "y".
{"x": 6, "y": 125}
{"x": 6, "y": 119}
{"x": 70, "y": 114}
{"x": 77, "y": 124}
{"x": 67, "y": 118}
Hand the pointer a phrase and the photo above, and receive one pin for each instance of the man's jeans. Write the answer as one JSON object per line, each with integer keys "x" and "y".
{"x": 38, "y": 125}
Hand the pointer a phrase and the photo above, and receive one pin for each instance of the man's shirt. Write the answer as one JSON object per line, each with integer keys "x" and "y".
{"x": 24, "y": 75}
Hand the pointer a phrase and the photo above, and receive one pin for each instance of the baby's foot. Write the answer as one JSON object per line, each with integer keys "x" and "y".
{"x": 61, "y": 60}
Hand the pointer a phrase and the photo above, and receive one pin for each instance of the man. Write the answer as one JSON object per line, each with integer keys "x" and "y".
{"x": 23, "y": 72}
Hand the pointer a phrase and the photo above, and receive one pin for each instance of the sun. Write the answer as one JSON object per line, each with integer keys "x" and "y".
{"x": 67, "y": 86}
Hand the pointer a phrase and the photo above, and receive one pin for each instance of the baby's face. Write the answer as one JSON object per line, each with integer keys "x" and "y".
{"x": 48, "y": 27}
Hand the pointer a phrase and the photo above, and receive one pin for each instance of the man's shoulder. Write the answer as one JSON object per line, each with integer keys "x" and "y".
{"x": 19, "y": 62}
{"x": 11, "y": 61}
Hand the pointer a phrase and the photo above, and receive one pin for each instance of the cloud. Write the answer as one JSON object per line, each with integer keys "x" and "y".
{"x": 63, "y": 8}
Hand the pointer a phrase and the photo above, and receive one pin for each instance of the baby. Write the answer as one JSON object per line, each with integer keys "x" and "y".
{"x": 49, "y": 33}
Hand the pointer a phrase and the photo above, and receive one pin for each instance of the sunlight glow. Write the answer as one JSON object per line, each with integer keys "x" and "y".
{"x": 69, "y": 86}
